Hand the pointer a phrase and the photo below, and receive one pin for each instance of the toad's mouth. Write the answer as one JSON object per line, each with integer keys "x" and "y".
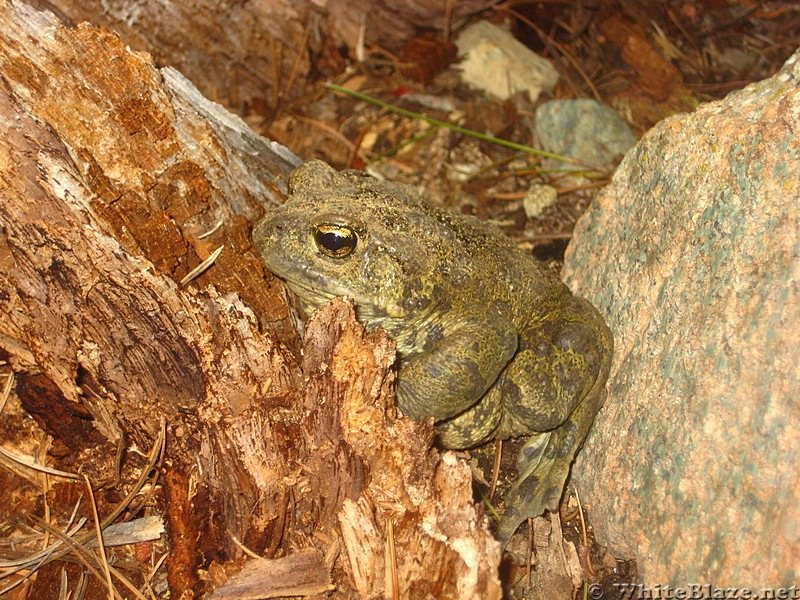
{"x": 309, "y": 294}
{"x": 314, "y": 290}
{"x": 305, "y": 282}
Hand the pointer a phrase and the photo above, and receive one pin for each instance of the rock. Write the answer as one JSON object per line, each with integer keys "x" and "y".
{"x": 584, "y": 129}
{"x": 538, "y": 197}
{"x": 500, "y": 64}
{"x": 693, "y": 256}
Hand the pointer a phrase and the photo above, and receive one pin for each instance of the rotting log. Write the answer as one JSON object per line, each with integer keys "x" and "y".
{"x": 116, "y": 180}
{"x": 255, "y": 55}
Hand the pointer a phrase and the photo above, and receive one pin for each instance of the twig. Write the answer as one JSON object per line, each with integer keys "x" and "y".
{"x": 242, "y": 547}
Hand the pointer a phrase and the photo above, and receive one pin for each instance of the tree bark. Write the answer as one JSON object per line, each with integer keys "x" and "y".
{"x": 117, "y": 179}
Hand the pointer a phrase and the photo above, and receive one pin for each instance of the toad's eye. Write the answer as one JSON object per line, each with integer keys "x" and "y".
{"x": 336, "y": 241}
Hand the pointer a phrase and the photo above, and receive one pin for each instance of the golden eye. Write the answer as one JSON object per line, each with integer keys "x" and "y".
{"x": 336, "y": 241}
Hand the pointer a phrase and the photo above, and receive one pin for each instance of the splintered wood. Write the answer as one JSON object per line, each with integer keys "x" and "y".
{"x": 118, "y": 178}
{"x": 392, "y": 480}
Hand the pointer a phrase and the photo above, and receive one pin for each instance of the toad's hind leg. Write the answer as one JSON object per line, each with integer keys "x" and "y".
{"x": 474, "y": 426}
{"x": 561, "y": 376}
{"x": 543, "y": 465}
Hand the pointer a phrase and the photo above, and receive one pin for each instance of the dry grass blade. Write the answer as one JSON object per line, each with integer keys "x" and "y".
{"x": 154, "y": 457}
{"x": 63, "y": 588}
{"x": 464, "y": 131}
{"x": 336, "y": 135}
{"x": 41, "y": 458}
{"x": 26, "y": 462}
{"x": 80, "y": 589}
{"x": 21, "y": 580}
{"x": 391, "y": 560}
{"x": 498, "y": 457}
{"x": 584, "y": 548}
{"x": 295, "y": 65}
{"x": 6, "y": 391}
{"x": 90, "y": 561}
{"x": 529, "y": 557}
{"x": 67, "y": 545}
{"x": 99, "y": 532}
{"x": 39, "y": 557}
{"x": 155, "y": 569}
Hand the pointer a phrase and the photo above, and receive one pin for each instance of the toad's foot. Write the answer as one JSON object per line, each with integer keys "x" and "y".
{"x": 542, "y": 475}
{"x": 543, "y": 465}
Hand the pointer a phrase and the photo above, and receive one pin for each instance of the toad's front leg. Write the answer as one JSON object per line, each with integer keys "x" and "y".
{"x": 455, "y": 369}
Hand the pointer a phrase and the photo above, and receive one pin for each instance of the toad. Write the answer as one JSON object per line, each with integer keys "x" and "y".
{"x": 490, "y": 343}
